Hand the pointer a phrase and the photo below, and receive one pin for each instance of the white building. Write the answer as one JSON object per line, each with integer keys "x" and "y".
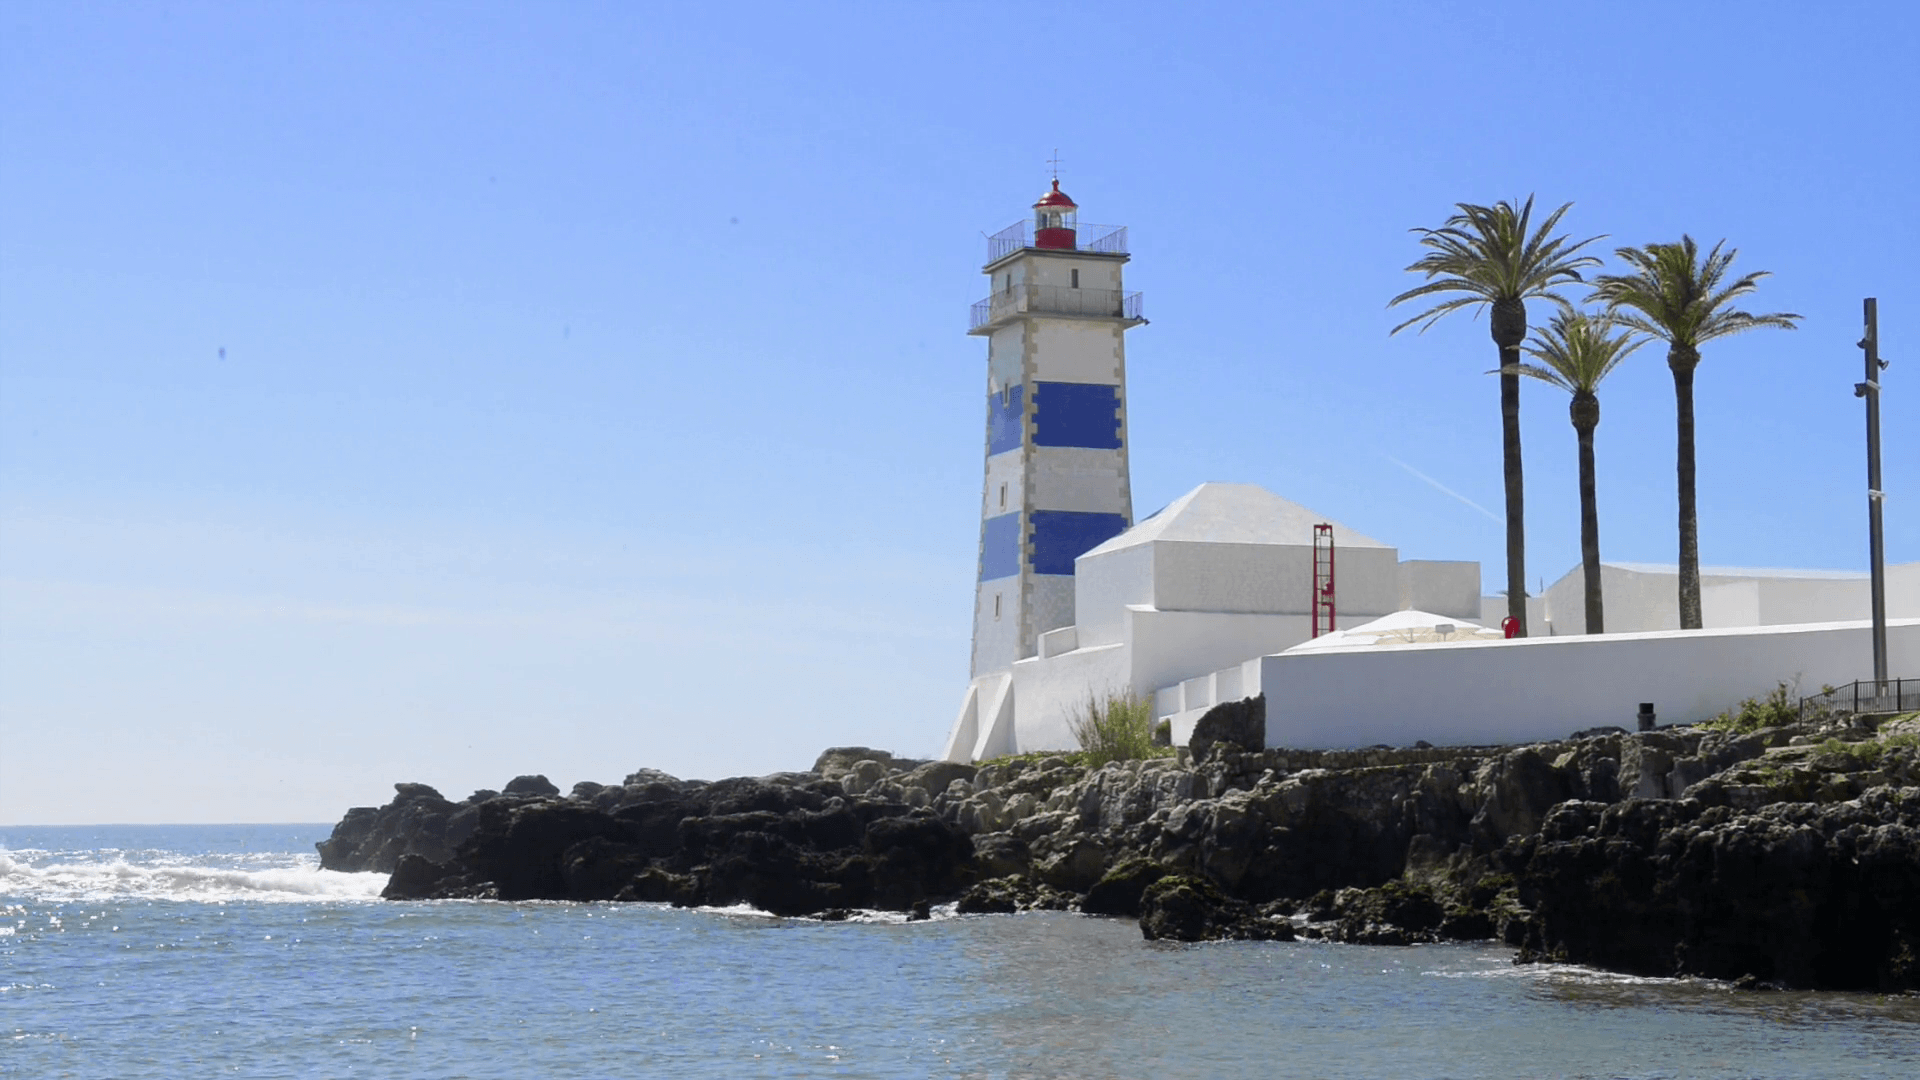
{"x": 1645, "y": 596}
{"x": 1212, "y": 599}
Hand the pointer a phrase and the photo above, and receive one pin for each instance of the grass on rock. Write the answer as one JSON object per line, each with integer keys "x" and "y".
{"x": 1118, "y": 727}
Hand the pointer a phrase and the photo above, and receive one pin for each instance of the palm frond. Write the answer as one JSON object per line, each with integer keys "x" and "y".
{"x": 1535, "y": 371}
{"x": 1580, "y": 350}
{"x": 1492, "y": 254}
{"x": 1676, "y": 295}
{"x": 1433, "y": 314}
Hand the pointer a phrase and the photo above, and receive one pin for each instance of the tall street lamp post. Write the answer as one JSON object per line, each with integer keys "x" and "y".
{"x": 1876, "y": 544}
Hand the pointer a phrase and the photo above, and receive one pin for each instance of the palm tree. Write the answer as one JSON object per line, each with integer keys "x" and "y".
{"x": 1576, "y": 351}
{"x": 1486, "y": 254}
{"x": 1679, "y": 298}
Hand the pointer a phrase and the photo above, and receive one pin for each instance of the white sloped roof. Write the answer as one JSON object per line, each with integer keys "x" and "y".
{"x": 1234, "y": 514}
{"x": 1672, "y": 570}
{"x": 1402, "y": 628}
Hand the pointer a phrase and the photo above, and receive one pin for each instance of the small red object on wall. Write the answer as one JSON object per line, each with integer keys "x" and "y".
{"x": 1510, "y": 626}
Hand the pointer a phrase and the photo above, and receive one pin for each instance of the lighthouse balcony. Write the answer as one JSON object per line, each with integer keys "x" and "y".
{"x": 1055, "y": 300}
{"x": 1093, "y": 239}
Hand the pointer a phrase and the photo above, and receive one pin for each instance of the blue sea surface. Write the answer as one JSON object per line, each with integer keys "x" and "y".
{"x": 177, "y": 951}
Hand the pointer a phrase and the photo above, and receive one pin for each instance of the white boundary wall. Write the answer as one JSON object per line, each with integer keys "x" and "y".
{"x": 1547, "y": 688}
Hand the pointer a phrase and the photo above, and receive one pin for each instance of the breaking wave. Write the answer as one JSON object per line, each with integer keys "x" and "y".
{"x": 126, "y": 875}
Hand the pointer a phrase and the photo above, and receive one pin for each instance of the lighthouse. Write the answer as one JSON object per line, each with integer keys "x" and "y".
{"x": 1056, "y": 421}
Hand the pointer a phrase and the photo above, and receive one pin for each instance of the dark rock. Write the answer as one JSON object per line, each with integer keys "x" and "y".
{"x": 1790, "y": 854}
{"x": 661, "y": 887}
{"x": 996, "y": 896}
{"x": 790, "y": 779}
{"x": 1396, "y": 913}
{"x": 586, "y": 791}
{"x": 1806, "y": 895}
{"x": 838, "y": 759}
{"x": 1466, "y": 924}
{"x": 937, "y": 776}
{"x": 415, "y": 878}
{"x": 1118, "y": 892}
{"x": 601, "y": 868}
{"x": 521, "y": 847}
{"x": 416, "y": 822}
{"x": 1181, "y": 908}
{"x": 1001, "y": 854}
{"x": 1073, "y": 866}
{"x": 531, "y": 785}
{"x": 1005, "y": 895}
{"x": 1282, "y": 906}
{"x": 340, "y": 850}
{"x": 916, "y": 856}
{"x": 1243, "y": 723}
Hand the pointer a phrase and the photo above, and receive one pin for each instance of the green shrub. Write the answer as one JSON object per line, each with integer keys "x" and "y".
{"x": 1118, "y": 727}
{"x": 1867, "y": 753}
{"x": 1781, "y": 706}
{"x": 1075, "y": 758}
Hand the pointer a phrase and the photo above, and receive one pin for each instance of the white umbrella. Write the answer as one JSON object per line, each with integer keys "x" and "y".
{"x": 1402, "y": 628}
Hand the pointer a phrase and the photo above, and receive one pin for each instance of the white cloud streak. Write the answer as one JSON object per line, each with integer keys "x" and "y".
{"x": 1444, "y": 489}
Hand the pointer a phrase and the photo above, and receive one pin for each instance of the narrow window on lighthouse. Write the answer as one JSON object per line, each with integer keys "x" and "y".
{"x": 1076, "y": 277}
{"x": 1003, "y": 496}
{"x": 996, "y": 605}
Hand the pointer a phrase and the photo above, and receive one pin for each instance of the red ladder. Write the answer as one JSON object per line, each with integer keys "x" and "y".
{"x": 1322, "y": 596}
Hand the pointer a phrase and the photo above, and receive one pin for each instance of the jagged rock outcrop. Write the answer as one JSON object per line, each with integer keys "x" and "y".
{"x": 1802, "y": 869}
{"x": 1787, "y": 854}
{"x": 419, "y": 821}
{"x": 1184, "y": 908}
{"x": 791, "y": 844}
{"x": 1242, "y": 723}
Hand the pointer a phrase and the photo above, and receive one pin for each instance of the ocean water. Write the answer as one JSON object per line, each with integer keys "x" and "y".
{"x": 191, "y": 951}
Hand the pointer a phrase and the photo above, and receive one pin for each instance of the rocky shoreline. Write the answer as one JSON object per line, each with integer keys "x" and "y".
{"x": 1785, "y": 856}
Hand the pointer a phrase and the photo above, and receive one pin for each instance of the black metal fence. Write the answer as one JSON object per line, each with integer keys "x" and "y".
{"x": 1865, "y": 696}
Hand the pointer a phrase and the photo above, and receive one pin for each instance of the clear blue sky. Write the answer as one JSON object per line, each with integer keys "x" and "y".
{"x": 439, "y": 392}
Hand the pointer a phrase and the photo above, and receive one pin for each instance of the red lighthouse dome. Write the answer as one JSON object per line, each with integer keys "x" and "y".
{"x": 1054, "y": 220}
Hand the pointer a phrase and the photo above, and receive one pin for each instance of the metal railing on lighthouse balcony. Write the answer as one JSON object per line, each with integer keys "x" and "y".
{"x": 1056, "y": 300}
{"x": 1098, "y": 239}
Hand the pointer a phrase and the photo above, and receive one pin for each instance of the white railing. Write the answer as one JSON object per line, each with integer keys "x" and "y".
{"x": 1056, "y": 300}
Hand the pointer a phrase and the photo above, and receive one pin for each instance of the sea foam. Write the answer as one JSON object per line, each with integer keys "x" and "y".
{"x": 124, "y": 875}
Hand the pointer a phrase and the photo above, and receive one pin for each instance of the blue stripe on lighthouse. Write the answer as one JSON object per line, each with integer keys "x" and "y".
{"x": 1000, "y": 547}
{"x": 1006, "y": 419}
{"x": 1061, "y": 536}
{"x": 1076, "y": 414}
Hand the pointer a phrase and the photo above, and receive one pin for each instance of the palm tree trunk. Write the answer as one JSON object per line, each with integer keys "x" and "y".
{"x": 1586, "y": 417}
{"x": 1507, "y": 322}
{"x": 1516, "y": 499}
{"x": 1682, "y": 361}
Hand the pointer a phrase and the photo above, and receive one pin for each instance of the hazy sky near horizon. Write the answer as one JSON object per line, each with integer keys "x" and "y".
{"x": 441, "y": 392}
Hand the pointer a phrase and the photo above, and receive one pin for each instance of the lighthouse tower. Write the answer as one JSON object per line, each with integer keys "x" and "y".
{"x": 1056, "y": 430}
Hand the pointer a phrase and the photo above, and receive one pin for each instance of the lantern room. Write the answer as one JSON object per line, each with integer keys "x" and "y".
{"x": 1055, "y": 220}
